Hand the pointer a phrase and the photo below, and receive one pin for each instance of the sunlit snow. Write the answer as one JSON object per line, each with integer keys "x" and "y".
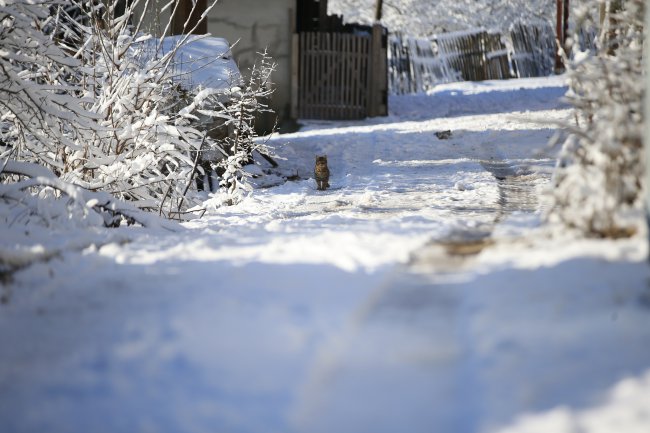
{"x": 421, "y": 293}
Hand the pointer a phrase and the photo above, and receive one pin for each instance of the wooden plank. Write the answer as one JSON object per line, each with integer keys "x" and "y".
{"x": 309, "y": 67}
{"x": 347, "y": 101}
{"x": 310, "y": 72}
{"x": 324, "y": 78}
{"x": 351, "y": 90}
{"x": 313, "y": 71}
{"x": 318, "y": 74}
{"x": 310, "y": 76}
{"x": 346, "y": 67}
{"x": 341, "y": 48}
{"x": 350, "y": 71}
{"x": 301, "y": 74}
{"x": 347, "y": 110}
{"x": 329, "y": 71}
{"x": 295, "y": 79}
{"x": 372, "y": 88}
{"x": 339, "y": 89}
{"x": 304, "y": 73}
{"x": 331, "y": 94}
{"x": 324, "y": 75}
{"x": 382, "y": 75}
{"x": 356, "y": 82}
{"x": 359, "y": 72}
{"x": 320, "y": 79}
{"x": 337, "y": 84}
{"x": 363, "y": 77}
{"x": 346, "y": 75}
{"x": 352, "y": 61}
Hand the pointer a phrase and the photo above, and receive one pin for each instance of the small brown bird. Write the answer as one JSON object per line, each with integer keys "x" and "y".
{"x": 322, "y": 173}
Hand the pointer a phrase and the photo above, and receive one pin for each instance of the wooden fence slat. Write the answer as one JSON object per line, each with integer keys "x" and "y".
{"x": 301, "y": 72}
{"x": 313, "y": 74}
{"x": 344, "y": 84}
{"x": 353, "y": 70}
{"x": 355, "y": 59}
{"x": 344, "y": 74}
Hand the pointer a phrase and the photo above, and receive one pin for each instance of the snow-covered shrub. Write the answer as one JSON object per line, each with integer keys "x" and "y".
{"x": 108, "y": 108}
{"x": 247, "y": 102}
{"x": 229, "y": 120}
{"x": 145, "y": 148}
{"x": 598, "y": 181}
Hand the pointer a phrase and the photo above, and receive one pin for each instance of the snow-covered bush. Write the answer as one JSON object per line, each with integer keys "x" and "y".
{"x": 598, "y": 183}
{"x": 246, "y": 104}
{"x": 148, "y": 146}
{"x": 107, "y": 108}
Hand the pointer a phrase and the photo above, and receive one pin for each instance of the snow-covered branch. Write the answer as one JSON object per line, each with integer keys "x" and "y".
{"x": 97, "y": 208}
{"x": 38, "y": 99}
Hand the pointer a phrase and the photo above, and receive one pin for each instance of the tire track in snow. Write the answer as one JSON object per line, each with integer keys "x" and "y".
{"x": 518, "y": 184}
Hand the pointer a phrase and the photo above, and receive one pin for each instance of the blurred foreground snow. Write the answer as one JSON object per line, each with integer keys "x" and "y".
{"x": 421, "y": 293}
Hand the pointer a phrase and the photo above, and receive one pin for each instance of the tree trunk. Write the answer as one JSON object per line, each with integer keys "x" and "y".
{"x": 378, "y": 8}
{"x": 185, "y": 19}
{"x": 559, "y": 32}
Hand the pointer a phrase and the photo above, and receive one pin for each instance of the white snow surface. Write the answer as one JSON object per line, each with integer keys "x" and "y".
{"x": 347, "y": 310}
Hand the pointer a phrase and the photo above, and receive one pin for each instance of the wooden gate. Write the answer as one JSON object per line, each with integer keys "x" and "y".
{"x": 333, "y": 75}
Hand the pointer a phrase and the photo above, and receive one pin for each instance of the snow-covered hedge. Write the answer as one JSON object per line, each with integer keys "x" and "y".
{"x": 598, "y": 186}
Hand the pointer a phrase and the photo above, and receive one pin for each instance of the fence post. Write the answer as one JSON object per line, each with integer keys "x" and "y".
{"x": 377, "y": 74}
{"x": 562, "y": 11}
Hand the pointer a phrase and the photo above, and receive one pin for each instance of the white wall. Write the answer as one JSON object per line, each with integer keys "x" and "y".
{"x": 257, "y": 25}
{"x": 154, "y": 21}
{"x": 253, "y": 25}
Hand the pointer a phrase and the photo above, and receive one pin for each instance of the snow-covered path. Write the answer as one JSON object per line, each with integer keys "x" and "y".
{"x": 352, "y": 310}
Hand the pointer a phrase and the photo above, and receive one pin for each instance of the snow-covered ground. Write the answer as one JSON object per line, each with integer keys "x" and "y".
{"x": 420, "y": 293}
